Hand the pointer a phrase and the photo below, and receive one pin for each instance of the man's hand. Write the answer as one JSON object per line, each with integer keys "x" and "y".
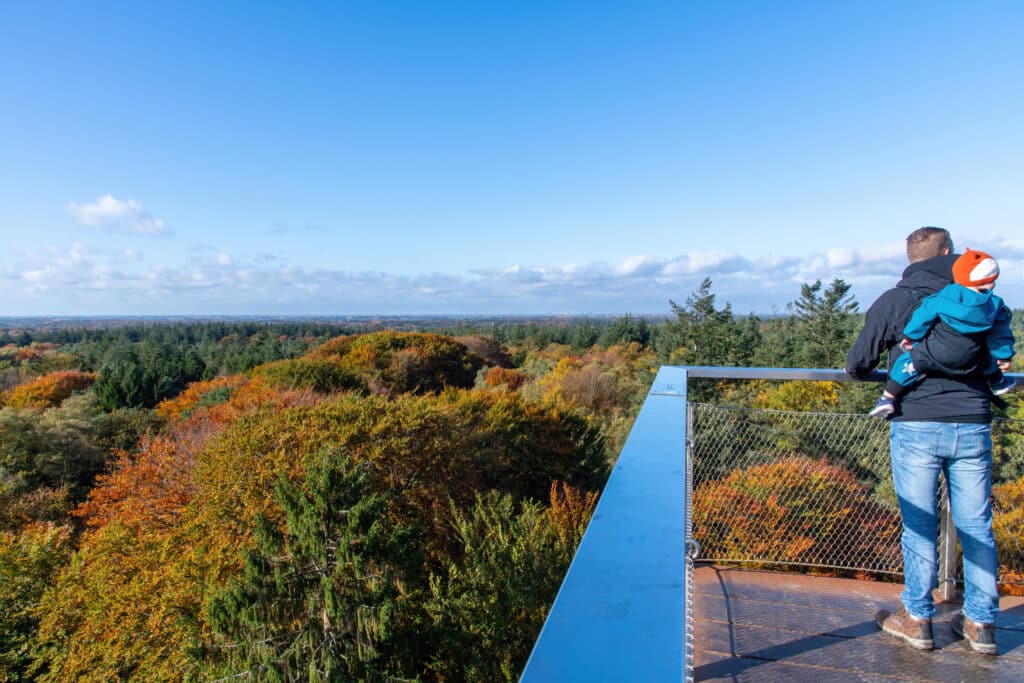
{"x": 906, "y": 344}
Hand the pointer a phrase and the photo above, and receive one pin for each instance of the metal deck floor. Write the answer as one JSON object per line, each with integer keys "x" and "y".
{"x": 776, "y": 626}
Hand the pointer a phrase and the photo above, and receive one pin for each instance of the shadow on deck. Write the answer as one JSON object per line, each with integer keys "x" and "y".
{"x": 775, "y": 626}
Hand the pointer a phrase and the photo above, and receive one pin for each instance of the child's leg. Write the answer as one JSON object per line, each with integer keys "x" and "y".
{"x": 992, "y": 372}
{"x": 998, "y": 383}
{"x": 902, "y": 375}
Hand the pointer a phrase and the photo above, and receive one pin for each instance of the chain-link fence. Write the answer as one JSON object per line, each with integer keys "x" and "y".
{"x": 814, "y": 490}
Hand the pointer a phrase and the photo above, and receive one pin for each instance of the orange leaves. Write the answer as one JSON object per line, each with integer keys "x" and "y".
{"x": 570, "y": 511}
{"x": 27, "y": 353}
{"x": 1008, "y": 529}
{"x": 186, "y": 402}
{"x": 48, "y": 390}
{"x": 124, "y": 608}
{"x": 513, "y": 379}
{"x": 222, "y": 400}
{"x": 144, "y": 490}
{"x": 38, "y": 504}
{"x": 128, "y": 602}
{"x": 794, "y": 510}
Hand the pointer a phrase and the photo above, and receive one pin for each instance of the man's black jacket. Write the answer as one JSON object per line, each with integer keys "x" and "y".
{"x": 939, "y": 398}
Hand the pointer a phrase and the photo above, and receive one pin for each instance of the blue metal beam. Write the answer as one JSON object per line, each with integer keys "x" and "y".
{"x": 619, "y": 613}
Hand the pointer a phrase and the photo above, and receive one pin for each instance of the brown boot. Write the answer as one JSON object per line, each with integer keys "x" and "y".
{"x": 982, "y": 637}
{"x": 917, "y": 632}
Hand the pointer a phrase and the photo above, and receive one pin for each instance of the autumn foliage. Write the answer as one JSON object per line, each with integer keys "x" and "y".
{"x": 506, "y": 377}
{"x": 27, "y": 560}
{"x": 383, "y": 506}
{"x": 395, "y": 362}
{"x": 1008, "y": 529}
{"x": 180, "y": 531}
{"x": 793, "y": 510}
{"x": 48, "y": 390}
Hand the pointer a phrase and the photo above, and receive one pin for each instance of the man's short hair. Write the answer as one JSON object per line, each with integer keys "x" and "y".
{"x": 928, "y": 242}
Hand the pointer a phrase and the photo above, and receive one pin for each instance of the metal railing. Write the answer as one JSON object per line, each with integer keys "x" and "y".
{"x": 620, "y": 614}
{"x": 814, "y": 490}
{"x": 763, "y": 487}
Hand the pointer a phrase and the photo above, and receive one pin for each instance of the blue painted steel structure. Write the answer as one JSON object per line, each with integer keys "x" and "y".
{"x": 619, "y": 613}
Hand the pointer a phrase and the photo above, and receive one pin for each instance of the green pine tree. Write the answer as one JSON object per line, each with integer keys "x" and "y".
{"x": 317, "y": 599}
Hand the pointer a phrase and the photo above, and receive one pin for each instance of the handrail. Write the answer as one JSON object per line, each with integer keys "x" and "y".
{"x": 807, "y": 374}
{"x": 619, "y": 615}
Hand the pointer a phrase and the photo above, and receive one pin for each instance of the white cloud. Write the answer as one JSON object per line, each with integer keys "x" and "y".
{"x": 705, "y": 262}
{"x": 638, "y": 265}
{"x": 839, "y": 257}
{"x": 217, "y": 282}
{"x": 114, "y": 215}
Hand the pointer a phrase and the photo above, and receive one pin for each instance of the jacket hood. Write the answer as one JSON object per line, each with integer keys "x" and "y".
{"x": 930, "y": 275}
{"x": 969, "y": 312}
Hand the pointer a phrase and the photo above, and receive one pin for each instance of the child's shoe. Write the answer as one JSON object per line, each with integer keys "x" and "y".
{"x": 884, "y": 407}
{"x": 1003, "y": 386}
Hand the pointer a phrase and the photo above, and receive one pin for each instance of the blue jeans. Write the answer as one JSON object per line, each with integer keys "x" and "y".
{"x": 963, "y": 453}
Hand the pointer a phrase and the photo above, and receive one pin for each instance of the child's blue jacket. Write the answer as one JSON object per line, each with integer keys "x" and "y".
{"x": 964, "y": 312}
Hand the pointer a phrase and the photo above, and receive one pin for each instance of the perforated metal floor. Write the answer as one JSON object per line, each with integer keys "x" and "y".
{"x": 776, "y": 626}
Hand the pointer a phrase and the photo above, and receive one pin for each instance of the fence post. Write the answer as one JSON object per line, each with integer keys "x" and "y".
{"x": 691, "y": 546}
{"x": 947, "y": 548}
{"x": 688, "y": 463}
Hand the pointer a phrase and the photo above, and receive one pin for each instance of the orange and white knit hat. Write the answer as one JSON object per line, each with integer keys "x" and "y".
{"x": 975, "y": 269}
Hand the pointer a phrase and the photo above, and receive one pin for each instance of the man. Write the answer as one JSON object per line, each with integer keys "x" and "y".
{"x": 942, "y": 424}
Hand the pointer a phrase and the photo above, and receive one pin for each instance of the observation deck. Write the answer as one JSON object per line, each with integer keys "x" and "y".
{"x": 653, "y": 596}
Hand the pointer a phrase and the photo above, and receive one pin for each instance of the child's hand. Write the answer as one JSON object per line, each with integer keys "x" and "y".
{"x": 906, "y": 344}
{"x": 1004, "y": 365}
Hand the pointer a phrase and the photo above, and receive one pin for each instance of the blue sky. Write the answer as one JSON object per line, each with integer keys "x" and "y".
{"x": 497, "y": 157}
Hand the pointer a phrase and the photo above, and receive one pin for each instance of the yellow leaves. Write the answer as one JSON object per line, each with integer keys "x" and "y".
{"x": 48, "y": 390}
{"x": 23, "y": 554}
{"x": 120, "y": 609}
{"x": 799, "y": 396}
{"x": 608, "y": 382}
{"x": 390, "y": 363}
{"x": 570, "y": 511}
{"x": 28, "y": 559}
{"x": 1008, "y": 529}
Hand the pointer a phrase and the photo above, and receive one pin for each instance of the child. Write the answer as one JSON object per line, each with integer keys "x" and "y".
{"x": 965, "y": 308}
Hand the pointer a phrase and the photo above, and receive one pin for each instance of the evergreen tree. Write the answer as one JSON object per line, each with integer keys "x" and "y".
{"x": 317, "y": 600}
{"x": 826, "y": 324}
{"x": 489, "y": 603}
{"x": 777, "y": 347}
{"x": 701, "y": 334}
{"x": 624, "y": 331}
{"x": 584, "y": 335}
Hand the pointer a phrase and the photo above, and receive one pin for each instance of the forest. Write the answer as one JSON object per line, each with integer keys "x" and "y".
{"x": 309, "y": 501}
